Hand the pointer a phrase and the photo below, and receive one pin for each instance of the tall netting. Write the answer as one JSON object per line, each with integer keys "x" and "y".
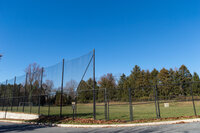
{"x": 69, "y": 75}
{"x": 52, "y": 90}
{"x": 78, "y": 85}
{"x": 19, "y": 93}
{"x": 9, "y": 93}
{"x": 52, "y": 79}
{"x": 3, "y": 94}
{"x": 68, "y": 89}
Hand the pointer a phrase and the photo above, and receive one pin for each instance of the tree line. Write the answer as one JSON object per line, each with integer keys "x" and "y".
{"x": 170, "y": 83}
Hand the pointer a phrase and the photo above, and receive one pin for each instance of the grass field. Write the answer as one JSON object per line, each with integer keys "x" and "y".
{"x": 119, "y": 111}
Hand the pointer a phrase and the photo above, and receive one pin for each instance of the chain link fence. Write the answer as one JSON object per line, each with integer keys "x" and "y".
{"x": 51, "y": 91}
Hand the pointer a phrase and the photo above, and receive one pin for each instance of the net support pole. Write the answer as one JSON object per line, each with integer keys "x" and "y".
{"x": 4, "y": 97}
{"x": 108, "y": 112}
{"x": 13, "y": 93}
{"x": 76, "y": 104}
{"x": 105, "y": 104}
{"x": 94, "y": 98}
{"x": 25, "y": 92}
{"x": 130, "y": 105}
{"x": 30, "y": 99}
{"x": 40, "y": 90}
{"x": 61, "y": 94}
{"x": 191, "y": 92}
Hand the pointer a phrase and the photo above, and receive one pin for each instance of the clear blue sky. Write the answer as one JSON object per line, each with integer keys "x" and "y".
{"x": 149, "y": 33}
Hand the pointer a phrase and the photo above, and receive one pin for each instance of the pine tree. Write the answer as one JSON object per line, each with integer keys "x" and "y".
{"x": 164, "y": 89}
{"x": 195, "y": 86}
{"x": 122, "y": 93}
{"x": 134, "y": 81}
{"x": 184, "y": 76}
{"x": 148, "y": 91}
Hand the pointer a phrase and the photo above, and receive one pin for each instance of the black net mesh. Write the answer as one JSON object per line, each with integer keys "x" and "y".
{"x": 68, "y": 88}
{"x": 75, "y": 71}
{"x": 79, "y": 84}
{"x": 52, "y": 79}
{"x": 40, "y": 89}
{"x": 3, "y": 94}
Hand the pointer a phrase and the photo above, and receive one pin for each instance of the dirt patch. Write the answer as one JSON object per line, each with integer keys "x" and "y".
{"x": 57, "y": 119}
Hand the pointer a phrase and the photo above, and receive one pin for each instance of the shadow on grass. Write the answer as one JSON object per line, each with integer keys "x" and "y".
{"x": 7, "y": 127}
{"x": 58, "y": 119}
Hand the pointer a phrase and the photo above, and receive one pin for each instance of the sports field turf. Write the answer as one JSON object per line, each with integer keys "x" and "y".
{"x": 120, "y": 110}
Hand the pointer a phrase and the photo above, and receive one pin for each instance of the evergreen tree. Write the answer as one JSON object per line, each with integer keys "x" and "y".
{"x": 176, "y": 88}
{"x": 154, "y": 77}
{"x": 108, "y": 82}
{"x": 82, "y": 92}
{"x": 184, "y": 77}
{"x": 195, "y": 86}
{"x": 85, "y": 91}
{"x": 164, "y": 89}
{"x": 122, "y": 93}
{"x": 148, "y": 91}
{"x": 134, "y": 81}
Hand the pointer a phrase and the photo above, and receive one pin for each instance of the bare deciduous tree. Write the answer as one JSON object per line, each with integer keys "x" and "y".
{"x": 34, "y": 75}
{"x": 48, "y": 86}
{"x": 70, "y": 88}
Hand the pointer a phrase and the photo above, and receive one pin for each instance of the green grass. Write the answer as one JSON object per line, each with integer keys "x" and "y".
{"x": 116, "y": 111}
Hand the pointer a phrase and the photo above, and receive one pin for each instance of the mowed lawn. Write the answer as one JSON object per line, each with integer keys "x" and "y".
{"x": 145, "y": 110}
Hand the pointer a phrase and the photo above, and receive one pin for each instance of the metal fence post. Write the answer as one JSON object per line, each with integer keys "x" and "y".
{"x": 76, "y": 101}
{"x": 105, "y": 104}
{"x": 13, "y": 93}
{"x": 5, "y": 88}
{"x": 25, "y": 91}
{"x": 191, "y": 92}
{"x": 130, "y": 105}
{"x": 49, "y": 104}
{"x": 18, "y": 97}
{"x": 61, "y": 95}
{"x": 157, "y": 99}
{"x": 94, "y": 98}
{"x": 40, "y": 90}
{"x": 30, "y": 99}
{"x": 108, "y": 112}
